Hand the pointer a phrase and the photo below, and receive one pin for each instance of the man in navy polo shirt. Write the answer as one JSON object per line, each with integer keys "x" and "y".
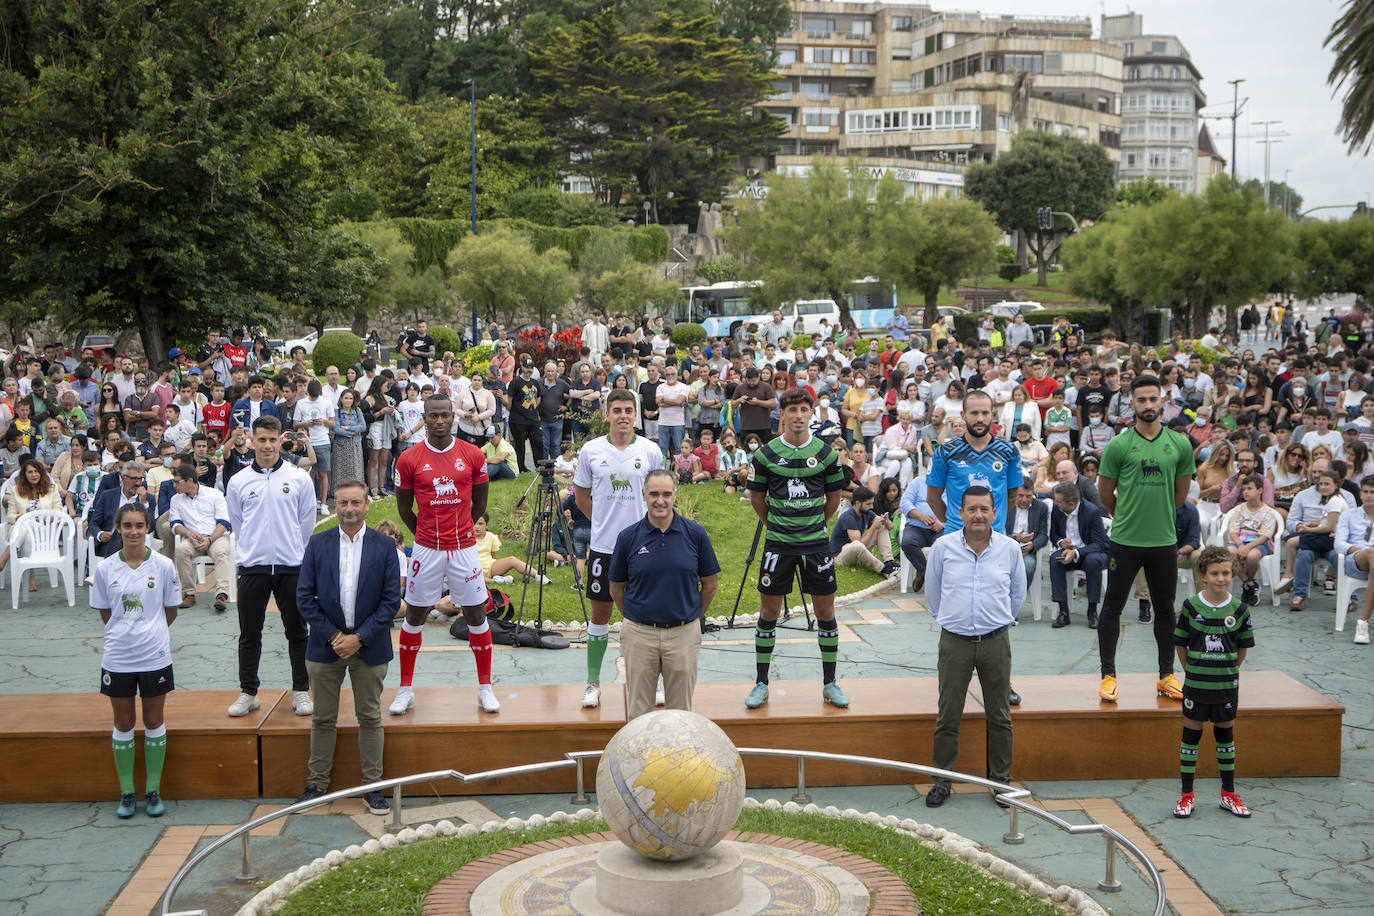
{"x": 663, "y": 578}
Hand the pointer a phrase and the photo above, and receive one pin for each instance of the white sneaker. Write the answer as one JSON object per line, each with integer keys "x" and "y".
{"x": 1362, "y": 632}
{"x": 405, "y": 699}
{"x": 591, "y": 696}
{"x": 544, "y": 580}
{"x": 301, "y": 704}
{"x": 659, "y": 698}
{"x": 434, "y": 614}
{"x": 486, "y": 698}
{"x": 244, "y": 705}
{"x": 502, "y": 580}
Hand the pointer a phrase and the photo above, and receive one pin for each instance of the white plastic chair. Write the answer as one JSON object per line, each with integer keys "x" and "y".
{"x": 1346, "y": 587}
{"x": 203, "y": 565}
{"x": 45, "y": 539}
{"x": 1270, "y": 567}
{"x": 1033, "y": 588}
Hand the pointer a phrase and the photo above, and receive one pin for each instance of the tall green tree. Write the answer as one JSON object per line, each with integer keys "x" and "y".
{"x": 1044, "y": 170}
{"x": 664, "y": 108}
{"x": 1194, "y": 253}
{"x": 163, "y": 163}
{"x": 934, "y": 243}
{"x": 499, "y": 274}
{"x": 1094, "y": 259}
{"x": 399, "y": 287}
{"x": 1282, "y": 197}
{"x": 1334, "y": 257}
{"x": 811, "y": 235}
{"x": 1352, "y": 72}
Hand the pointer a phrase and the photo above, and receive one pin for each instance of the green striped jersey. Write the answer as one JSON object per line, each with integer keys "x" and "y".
{"x": 1214, "y": 636}
{"x": 796, "y": 479}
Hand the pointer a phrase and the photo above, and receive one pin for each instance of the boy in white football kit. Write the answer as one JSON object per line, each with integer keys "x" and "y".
{"x": 442, "y": 487}
{"x": 137, "y": 594}
{"x": 609, "y": 488}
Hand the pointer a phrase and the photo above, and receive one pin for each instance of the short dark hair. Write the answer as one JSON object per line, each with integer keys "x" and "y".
{"x": 256, "y": 380}
{"x": 796, "y": 396}
{"x": 1067, "y": 490}
{"x": 619, "y": 394}
{"x": 1211, "y": 556}
{"x": 1145, "y": 381}
{"x": 267, "y": 422}
{"x": 185, "y": 470}
{"x": 862, "y": 493}
{"x": 976, "y": 491}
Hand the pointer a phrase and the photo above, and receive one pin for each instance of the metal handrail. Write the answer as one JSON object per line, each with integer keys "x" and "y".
{"x": 1014, "y": 797}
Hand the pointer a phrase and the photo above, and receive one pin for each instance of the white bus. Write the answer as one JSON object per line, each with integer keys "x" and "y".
{"x": 722, "y": 307}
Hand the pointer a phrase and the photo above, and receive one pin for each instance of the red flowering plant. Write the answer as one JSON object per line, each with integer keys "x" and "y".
{"x": 533, "y": 343}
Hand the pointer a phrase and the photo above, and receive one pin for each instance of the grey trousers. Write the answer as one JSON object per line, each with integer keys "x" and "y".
{"x": 326, "y": 679}
{"x": 958, "y": 660}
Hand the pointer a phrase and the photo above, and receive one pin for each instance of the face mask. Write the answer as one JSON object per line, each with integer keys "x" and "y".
{"x": 166, "y": 462}
{"x": 832, "y": 379}
{"x": 1201, "y": 421}
{"x": 860, "y": 382}
{"x": 1299, "y": 392}
{"x": 1095, "y": 421}
{"x": 1188, "y": 383}
{"x": 753, "y": 447}
{"x": 92, "y": 471}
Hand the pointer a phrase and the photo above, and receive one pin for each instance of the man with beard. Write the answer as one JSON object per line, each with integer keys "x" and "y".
{"x": 1143, "y": 480}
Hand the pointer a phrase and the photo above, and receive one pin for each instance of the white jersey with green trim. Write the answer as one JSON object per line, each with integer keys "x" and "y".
{"x": 616, "y": 478}
{"x": 136, "y": 637}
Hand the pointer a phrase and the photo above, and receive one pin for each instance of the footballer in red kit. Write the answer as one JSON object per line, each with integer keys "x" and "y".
{"x": 441, "y": 488}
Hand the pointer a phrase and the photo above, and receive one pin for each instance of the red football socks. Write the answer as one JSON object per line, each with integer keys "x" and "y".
{"x": 479, "y": 638}
{"x": 410, "y": 640}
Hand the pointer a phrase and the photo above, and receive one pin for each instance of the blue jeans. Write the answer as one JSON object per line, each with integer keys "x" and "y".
{"x": 500, "y": 471}
{"x": 1302, "y": 568}
{"x": 1029, "y": 559}
{"x": 670, "y": 439}
{"x": 553, "y": 437}
{"x": 914, "y": 537}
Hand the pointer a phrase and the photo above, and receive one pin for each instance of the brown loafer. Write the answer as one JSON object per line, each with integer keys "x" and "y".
{"x": 188, "y": 601}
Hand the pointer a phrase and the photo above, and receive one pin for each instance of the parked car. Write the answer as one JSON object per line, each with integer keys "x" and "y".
{"x": 96, "y": 342}
{"x": 1008, "y": 308}
{"x": 308, "y": 341}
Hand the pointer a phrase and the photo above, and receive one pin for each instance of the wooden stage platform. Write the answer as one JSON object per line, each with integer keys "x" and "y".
{"x": 56, "y": 747}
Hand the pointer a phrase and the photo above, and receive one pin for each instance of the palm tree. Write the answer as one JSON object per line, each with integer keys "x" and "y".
{"x": 1352, "y": 38}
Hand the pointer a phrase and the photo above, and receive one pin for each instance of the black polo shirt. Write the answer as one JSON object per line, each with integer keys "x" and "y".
{"x": 662, "y": 570}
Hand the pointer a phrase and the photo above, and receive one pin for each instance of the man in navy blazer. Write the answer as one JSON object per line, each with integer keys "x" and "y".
{"x": 348, "y": 592}
{"x": 100, "y": 522}
{"x": 1079, "y": 541}
{"x": 1028, "y": 523}
{"x": 246, "y": 410}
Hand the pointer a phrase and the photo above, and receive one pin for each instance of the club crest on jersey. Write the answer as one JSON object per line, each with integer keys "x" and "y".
{"x": 639, "y": 463}
{"x": 152, "y": 583}
{"x": 765, "y": 580}
{"x": 811, "y": 462}
{"x": 458, "y": 465}
{"x": 1230, "y": 621}
{"x": 286, "y": 488}
{"x": 596, "y": 586}
{"x": 997, "y": 466}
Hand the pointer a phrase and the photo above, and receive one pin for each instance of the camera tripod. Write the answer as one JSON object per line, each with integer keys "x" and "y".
{"x": 545, "y": 515}
{"x": 786, "y": 612}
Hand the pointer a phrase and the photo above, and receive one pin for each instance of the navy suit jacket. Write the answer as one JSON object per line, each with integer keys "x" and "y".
{"x": 102, "y": 518}
{"x": 1039, "y": 524}
{"x": 165, "y": 492}
{"x": 378, "y": 596}
{"x": 1090, "y": 527}
{"x": 242, "y": 410}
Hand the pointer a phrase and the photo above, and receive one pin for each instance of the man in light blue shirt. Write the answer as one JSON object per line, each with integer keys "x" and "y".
{"x": 987, "y": 583}
{"x": 920, "y": 527}
{"x": 896, "y": 325}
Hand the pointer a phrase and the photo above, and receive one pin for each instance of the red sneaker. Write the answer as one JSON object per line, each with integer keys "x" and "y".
{"x": 1184, "y": 808}
{"x": 1230, "y": 801}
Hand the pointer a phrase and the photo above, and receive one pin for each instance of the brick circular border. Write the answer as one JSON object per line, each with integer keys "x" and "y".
{"x": 888, "y": 894}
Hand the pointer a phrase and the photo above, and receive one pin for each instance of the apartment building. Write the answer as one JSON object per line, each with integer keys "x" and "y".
{"x": 1162, "y": 95}
{"x": 922, "y": 93}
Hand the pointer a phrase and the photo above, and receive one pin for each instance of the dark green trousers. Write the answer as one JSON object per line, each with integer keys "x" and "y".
{"x": 959, "y": 659}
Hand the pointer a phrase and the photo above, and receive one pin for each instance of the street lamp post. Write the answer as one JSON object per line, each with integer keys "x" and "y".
{"x": 472, "y": 146}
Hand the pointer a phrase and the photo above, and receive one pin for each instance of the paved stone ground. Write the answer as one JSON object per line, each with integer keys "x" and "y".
{"x": 1306, "y": 849}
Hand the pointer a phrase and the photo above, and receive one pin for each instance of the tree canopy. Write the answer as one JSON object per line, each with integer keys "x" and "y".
{"x": 934, "y": 243}
{"x": 1352, "y": 38}
{"x": 648, "y": 111}
{"x": 1044, "y": 170}
{"x": 163, "y": 165}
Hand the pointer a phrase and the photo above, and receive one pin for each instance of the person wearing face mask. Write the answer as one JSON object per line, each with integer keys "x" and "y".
{"x": 1095, "y": 435}
{"x": 1298, "y": 399}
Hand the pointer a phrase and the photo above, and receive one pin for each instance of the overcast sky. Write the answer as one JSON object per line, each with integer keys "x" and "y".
{"x": 1276, "y": 47}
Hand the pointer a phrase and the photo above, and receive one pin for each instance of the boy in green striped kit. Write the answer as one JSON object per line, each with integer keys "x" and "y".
{"x": 794, "y": 486}
{"x": 1211, "y": 637}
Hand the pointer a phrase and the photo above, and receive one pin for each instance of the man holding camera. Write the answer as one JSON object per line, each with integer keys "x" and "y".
{"x": 609, "y": 486}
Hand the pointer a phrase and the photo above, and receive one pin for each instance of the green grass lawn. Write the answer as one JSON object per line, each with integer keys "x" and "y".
{"x": 729, "y": 522}
{"x": 1056, "y": 291}
{"x": 395, "y": 882}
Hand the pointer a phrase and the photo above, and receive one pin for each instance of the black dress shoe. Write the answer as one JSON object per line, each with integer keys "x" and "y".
{"x": 1145, "y": 612}
{"x": 936, "y": 796}
{"x": 1014, "y": 698}
{"x": 998, "y": 799}
{"x": 1061, "y": 620}
{"x": 1092, "y": 620}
